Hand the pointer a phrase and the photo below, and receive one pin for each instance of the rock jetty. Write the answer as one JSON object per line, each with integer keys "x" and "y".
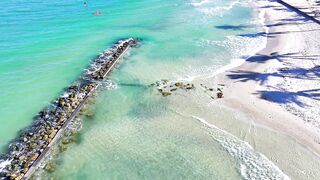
{"x": 27, "y": 150}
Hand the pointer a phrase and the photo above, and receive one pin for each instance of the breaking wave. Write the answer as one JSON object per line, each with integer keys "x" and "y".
{"x": 251, "y": 164}
{"x": 212, "y": 8}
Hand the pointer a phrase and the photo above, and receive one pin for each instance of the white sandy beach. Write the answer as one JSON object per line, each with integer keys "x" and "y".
{"x": 274, "y": 94}
{"x": 279, "y": 86}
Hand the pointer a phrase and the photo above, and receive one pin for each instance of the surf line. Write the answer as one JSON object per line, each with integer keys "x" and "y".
{"x": 29, "y": 149}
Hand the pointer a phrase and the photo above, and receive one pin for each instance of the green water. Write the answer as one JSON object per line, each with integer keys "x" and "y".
{"x": 132, "y": 132}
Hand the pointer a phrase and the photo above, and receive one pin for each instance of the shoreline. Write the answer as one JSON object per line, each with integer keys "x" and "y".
{"x": 245, "y": 98}
{"x": 236, "y": 62}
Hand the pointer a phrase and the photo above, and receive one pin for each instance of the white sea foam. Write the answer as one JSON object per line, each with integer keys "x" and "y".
{"x": 4, "y": 164}
{"x": 244, "y": 46}
{"x": 251, "y": 164}
{"x": 199, "y": 3}
{"x": 209, "y": 8}
{"x": 239, "y": 46}
{"x": 108, "y": 84}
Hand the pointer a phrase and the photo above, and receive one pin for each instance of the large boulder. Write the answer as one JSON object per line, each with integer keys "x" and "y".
{"x": 34, "y": 156}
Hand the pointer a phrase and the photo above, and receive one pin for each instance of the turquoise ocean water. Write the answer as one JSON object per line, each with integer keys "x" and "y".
{"x": 132, "y": 132}
{"x": 45, "y": 46}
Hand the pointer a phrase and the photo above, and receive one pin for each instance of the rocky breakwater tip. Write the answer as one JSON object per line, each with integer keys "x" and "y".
{"x": 30, "y": 146}
{"x": 106, "y": 60}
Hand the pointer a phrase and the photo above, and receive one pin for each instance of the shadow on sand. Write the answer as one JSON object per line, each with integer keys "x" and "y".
{"x": 300, "y": 18}
{"x": 233, "y": 27}
{"x": 296, "y": 73}
{"x": 280, "y": 95}
{"x": 284, "y": 97}
{"x": 277, "y": 95}
{"x": 297, "y": 10}
{"x": 261, "y": 58}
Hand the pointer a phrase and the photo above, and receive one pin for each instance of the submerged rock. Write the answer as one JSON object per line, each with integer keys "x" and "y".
{"x": 189, "y": 86}
{"x": 219, "y": 93}
{"x": 34, "y": 156}
{"x": 173, "y": 89}
{"x": 63, "y": 147}
{"x": 178, "y": 84}
{"x": 50, "y": 167}
{"x": 164, "y": 94}
{"x": 165, "y": 87}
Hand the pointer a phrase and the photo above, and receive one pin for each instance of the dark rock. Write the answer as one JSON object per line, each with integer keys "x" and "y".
{"x": 33, "y": 145}
{"x": 50, "y": 167}
{"x": 52, "y": 134}
{"x": 164, "y": 94}
{"x": 63, "y": 147}
{"x": 179, "y": 84}
{"x": 34, "y": 156}
{"x": 14, "y": 176}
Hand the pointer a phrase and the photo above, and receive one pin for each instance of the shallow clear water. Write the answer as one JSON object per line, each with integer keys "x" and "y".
{"x": 133, "y": 132}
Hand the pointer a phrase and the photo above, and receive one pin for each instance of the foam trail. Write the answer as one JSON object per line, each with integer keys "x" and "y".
{"x": 252, "y": 164}
{"x": 195, "y": 4}
{"x": 108, "y": 84}
{"x": 215, "y": 10}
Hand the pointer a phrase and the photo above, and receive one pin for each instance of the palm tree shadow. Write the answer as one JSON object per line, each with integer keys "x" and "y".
{"x": 301, "y": 73}
{"x": 232, "y": 27}
{"x": 285, "y": 97}
{"x": 262, "y": 58}
{"x": 296, "y": 73}
{"x": 244, "y": 76}
{"x": 298, "y": 11}
{"x": 281, "y": 96}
